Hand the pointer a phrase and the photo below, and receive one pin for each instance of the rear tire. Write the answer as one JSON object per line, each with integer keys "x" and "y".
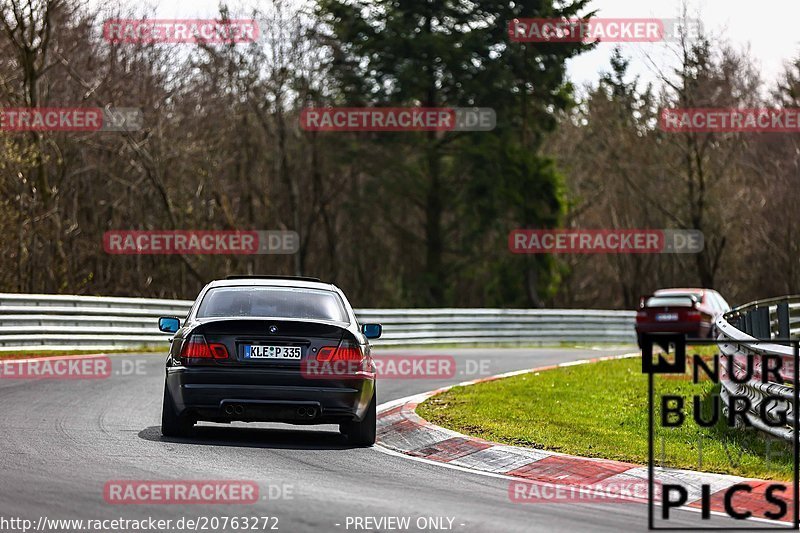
{"x": 173, "y": 425}
{"x": 363, "y": 433}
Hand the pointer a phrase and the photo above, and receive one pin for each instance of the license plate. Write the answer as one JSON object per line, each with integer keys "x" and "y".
{"x": 272, "y": 352}
{"x": 666, "y": 317}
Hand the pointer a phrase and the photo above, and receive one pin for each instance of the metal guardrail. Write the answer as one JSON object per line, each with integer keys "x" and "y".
{"x": 39, "y": 321}
{"x": 748, "y": 331}
{"x": 768, "y": 319}
{"x": 58, "y": 322}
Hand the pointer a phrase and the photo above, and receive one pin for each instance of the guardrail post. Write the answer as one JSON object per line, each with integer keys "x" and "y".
{"x": 761, "y": 329}
{"x": 755, "y": 324}
{"x": 748, "y": 322}
{"x": 783, "y": 320}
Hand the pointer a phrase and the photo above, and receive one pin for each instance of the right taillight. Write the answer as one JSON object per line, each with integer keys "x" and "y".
{"x": 345, "y": 361}
{"x": 346, "y": 351}
{"x": 326, "y": 353}
{"x": 196, "y": 347}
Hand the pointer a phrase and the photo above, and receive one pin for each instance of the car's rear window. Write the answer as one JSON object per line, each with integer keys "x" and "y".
{"x": 669, "y": 301}
{"x": 273, "y": 302}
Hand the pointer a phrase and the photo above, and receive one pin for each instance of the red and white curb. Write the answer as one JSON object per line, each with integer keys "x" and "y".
{"x": 402, "y": 432}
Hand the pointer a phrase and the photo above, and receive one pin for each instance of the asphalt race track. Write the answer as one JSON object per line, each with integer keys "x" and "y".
{"x": 62, "y": 440}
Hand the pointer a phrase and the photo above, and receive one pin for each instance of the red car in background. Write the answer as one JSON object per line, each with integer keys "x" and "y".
{"x": 689, "y": 311}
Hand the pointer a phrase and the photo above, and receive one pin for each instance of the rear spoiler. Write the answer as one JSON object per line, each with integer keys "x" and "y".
{"x": 289, "y": 278}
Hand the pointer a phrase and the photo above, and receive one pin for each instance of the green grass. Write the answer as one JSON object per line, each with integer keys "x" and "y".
{"x": 600, "y": 410}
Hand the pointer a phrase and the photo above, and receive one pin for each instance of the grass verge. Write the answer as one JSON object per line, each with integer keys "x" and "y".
{"x": 600, "y": 410}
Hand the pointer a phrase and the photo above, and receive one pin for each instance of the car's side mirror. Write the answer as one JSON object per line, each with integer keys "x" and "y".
{"x": 169, "y": 324}
{"x": 371, "y": 331}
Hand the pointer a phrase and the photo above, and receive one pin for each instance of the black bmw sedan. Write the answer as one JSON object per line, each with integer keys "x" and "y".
{"x": 270, "y": 349}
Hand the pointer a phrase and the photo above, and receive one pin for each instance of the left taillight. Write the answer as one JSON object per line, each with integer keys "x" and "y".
{"x": 196, "y": 347}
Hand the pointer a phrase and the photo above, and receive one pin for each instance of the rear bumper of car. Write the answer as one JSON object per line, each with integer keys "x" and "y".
{"x": 266, "y": 395}
{"x": 694, "y": 329}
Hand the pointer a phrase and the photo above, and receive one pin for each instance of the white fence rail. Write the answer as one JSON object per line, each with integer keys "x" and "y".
{"x": 56, "y": 322}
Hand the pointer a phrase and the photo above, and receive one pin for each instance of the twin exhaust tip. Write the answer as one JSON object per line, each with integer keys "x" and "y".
{"x": 310, "y": 412}
{"x": 234, "y": 409}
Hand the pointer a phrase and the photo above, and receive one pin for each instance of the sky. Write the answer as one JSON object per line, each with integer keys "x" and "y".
{"x": 771, "y": 37}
